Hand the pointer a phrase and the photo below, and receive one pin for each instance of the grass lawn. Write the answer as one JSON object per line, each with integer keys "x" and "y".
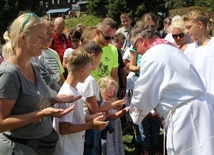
{"x": 130, "y": 145}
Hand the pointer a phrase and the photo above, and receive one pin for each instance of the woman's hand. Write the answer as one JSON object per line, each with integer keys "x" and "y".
{"x": 61, "y": 98}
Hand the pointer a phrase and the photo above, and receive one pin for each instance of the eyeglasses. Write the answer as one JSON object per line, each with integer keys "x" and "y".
{"x": 175, "y": 36}
{"x": 134, "y": 46}
{"x": 105, "y": 36}
{"x": 28, "y": 19}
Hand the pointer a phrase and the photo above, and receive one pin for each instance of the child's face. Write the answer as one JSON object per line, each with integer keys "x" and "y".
{"x": 96, "y": 61}
{"x": 109, "y": 93}
{"x": 75, "y": 43}
{"x": 119, "y": 44}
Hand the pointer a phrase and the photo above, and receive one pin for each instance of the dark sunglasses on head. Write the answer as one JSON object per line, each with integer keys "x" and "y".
{"x": 175, "y": 36}
{"x": 105, "y": 36}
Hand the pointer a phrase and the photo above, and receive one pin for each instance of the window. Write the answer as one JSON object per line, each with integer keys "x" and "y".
{"x": 69, "y": 1}
{"x": 46, "y": 4}
{"x": 58, "y": 1}
{"x": 74, "y": 1}
{"x": 53, "y": 1}
{"x": 40, "y": 3}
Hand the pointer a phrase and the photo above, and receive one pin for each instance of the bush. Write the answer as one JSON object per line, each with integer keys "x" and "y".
{"x": 86, "y": 20}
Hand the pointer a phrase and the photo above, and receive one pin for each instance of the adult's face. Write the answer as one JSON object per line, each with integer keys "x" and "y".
{"x": 36, "y": 41}
{"x": 106, "y": 35}
{"x": 178, "y": 36}
{"x": 50, "y": 34}
{"x": 59, "y": 27}
{"x": 139, "y": 44}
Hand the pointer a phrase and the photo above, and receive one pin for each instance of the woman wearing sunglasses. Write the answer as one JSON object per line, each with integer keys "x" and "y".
{"x": 179, "y": 34}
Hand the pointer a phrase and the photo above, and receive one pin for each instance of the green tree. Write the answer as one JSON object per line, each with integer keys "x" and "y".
{"x": 10, "y": 9}
{"x": 97, "y": 7}
{"x": 114, "y": 8}
{"x": 209, "y": 4}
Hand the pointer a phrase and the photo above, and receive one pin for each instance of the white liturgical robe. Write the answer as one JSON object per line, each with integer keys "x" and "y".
{"x": 170, "y": 83}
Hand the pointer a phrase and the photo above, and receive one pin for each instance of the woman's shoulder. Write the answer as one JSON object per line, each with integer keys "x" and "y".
{"x": 8, "y": 67}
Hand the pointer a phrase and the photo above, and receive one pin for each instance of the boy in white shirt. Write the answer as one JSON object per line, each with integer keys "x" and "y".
{"x": 71, "y": 127}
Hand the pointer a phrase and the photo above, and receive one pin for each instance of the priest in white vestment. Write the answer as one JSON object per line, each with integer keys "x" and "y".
{"x": 169, "y": 83}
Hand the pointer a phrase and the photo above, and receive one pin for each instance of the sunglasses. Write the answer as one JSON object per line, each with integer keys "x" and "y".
{"x": 175, "y": 36}
{"x": 28, "y": 19}
{"x": 105, "y": 36}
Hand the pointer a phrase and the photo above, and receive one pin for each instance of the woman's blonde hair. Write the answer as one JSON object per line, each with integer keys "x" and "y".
{"x": 21, "y": 25}
{"x": 178, "y": 22}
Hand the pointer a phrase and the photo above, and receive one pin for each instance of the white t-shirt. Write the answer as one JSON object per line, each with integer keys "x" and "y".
{"x": 88, "y": 89}
{"x": 126, "y": 55}
{"x": 67, "y": 52}
{"x": 70, "y": 144}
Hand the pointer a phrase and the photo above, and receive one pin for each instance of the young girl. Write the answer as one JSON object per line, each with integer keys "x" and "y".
{"x": 72, "y": 126}
{"x": 113, "y": 145}
{"x": 92, "y": 99}
{"x": 74, "y": 37}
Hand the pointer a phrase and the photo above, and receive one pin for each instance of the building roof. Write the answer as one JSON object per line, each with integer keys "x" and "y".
{"x": 62, "y": 10}
{"x": 82, "y": 2}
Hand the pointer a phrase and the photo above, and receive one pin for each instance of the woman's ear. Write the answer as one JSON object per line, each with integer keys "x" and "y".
{"x": 23, "y": 39}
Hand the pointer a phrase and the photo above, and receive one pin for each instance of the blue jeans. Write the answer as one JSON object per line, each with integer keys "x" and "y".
{"x": 92, "y": 142}
{"x": 149, "y": 130}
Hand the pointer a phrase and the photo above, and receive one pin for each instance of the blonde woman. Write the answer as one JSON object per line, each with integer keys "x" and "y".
{"x": 25, "y": 104}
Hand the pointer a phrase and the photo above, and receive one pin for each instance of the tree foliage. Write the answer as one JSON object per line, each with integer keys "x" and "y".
{"x": 10, "y": 9}
{"x": 114, "y": 8}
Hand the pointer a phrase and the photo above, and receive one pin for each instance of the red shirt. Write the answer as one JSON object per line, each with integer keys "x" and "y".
{"x": 1, "y": 59}
{"x": 60, "y": 45}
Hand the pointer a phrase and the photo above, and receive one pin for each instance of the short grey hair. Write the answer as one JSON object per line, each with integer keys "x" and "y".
{"x": 107, "y": 21}
{"x": 144, "y": 30}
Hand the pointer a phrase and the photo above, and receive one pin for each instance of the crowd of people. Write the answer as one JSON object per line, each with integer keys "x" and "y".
{"x": 72, "y": 92}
